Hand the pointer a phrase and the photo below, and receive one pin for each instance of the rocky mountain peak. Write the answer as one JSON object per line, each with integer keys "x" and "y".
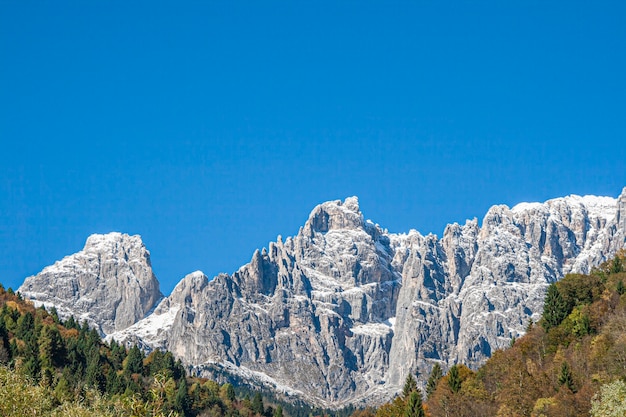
{"x": 192, "y": 282}
{"x": 114, "y": 242}
{"x": 109, "y": 282}
{"x": 341, "y": 312}
{"x": 335, "y": 215}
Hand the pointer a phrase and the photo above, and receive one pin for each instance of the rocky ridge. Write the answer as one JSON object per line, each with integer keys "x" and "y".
{"x": 340, "y": 313}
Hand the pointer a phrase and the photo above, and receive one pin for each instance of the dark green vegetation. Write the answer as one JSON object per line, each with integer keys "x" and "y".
{"x": 572, "y": 364}
{"x": 63, "y": 368}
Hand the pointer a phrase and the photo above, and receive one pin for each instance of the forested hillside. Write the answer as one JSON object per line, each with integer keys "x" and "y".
{"x": 571, "y": 363}
{"x": 63, "y": 368}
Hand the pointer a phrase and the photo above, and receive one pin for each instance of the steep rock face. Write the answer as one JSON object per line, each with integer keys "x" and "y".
{"x": 341, "y": 312}
{"x": 310, "y": 314}
{"x": 472, "y": 291}
{"x": 109, "y": 283}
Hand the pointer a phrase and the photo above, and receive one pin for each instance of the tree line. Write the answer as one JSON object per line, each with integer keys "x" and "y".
{"x": 50, "y": 366}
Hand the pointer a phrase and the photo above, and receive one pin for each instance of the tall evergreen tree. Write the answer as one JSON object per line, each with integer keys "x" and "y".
{"x": 554, "y": 309}
{"x": 114, "y": 383}
{"x": 94, "y": 377}
{"x": 257, "y": 404}
{"x": 118, "y": 353}
{"x": 414, "y": 407}
{"x": 50, "y": 346}
{"x": 410, "y": 385}
{"x": 435, "y": 375}
{"x": 227, "y": 392}
{"x": 70, "y": 323}
{"x": 565, "y": 377}
{"x": 25, "y": 326}
{"x": 134, "y": 361}
{"x": 181, "y": 401}
{"x": 454, "y": 380}
{"x": 5, "y": 353}
{"x": 55, "y": 315}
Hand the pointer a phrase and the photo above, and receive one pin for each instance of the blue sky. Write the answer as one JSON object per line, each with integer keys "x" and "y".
{"x": 209, "y": 128}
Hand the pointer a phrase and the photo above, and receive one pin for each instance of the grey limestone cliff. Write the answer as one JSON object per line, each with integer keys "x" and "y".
{"x": 109, "y": 283}
{"x": 340, "y": 313}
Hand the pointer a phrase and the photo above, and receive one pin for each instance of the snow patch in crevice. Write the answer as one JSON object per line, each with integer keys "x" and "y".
{"x": 150, "y": 328}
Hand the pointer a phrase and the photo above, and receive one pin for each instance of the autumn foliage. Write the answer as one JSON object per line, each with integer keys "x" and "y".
{"x": 570, "y": 364}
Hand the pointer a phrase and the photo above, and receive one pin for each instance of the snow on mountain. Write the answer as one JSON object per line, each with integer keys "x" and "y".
{"x": 341, "y": 312}
{"x": 109, "y": 283}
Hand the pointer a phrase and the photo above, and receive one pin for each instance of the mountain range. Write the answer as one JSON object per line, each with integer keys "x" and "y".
{"x": 341, "y": 312}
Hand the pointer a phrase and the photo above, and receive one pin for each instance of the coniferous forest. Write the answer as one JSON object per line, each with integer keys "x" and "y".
{"x": 571, "y": 363}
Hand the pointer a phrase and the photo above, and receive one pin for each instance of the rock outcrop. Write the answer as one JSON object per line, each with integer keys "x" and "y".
{"x": 341, "y": 312}
{"x": 109, "y": 283}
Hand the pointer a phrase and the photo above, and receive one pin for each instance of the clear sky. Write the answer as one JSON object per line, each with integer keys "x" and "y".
{"x": 209, "y": 128}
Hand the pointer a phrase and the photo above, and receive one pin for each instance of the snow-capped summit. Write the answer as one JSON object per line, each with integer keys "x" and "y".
{"x": 109, "y": 283}
{"x": 340, "y": 313}
{"x": 343, "y": 310}
{"x": 335, "y": 215}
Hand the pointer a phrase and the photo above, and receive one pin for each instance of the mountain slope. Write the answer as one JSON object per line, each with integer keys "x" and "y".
{"x": 341, "y": 312}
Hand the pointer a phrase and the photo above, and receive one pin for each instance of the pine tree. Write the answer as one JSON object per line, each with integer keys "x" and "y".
{"x": 620, "y": 287}
{"x": 454, "y": 380}
{"x": 55, "y": 315}
{"x": 114, "y": 383}
{"x": 565, "y": 377}
{"x": 5, "y": 353}
{"x": 410, "y": 385}
{"x": 257, "y": 404}
{"x": 414, "y": 407}
{"x": 25, "y": 326}
{"x": 433, "y": 379}
{"x": 181, "y": 402}
{"x": 94, "y": 376}
{"x": 50, "y": 346}
{"x": 83, "y": 329}
{"x": 118, "y": 353}
{"x": 227, "y": 392}
{"x": 134, "y": 361}
{"x": 554, "y": 309}
{"x": 70, "y": 323}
